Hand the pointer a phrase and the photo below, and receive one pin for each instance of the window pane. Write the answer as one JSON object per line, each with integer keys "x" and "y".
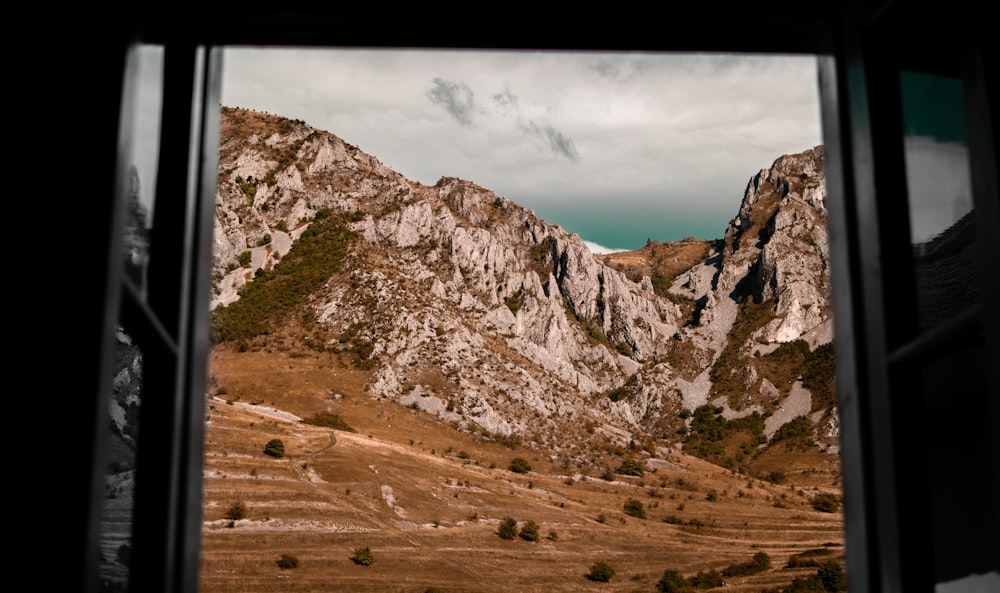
{"x": 139, "y": 141}
{"x": 940, "y": 195}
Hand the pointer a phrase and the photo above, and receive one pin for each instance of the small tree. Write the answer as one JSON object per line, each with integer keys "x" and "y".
{"x": 671, "y": 582}
{"x": 507, "y": 529}
{"x": 287, "y": 561}
{"x": 831, "y": 574}
{"x": 825, "y": 503}
{"x": 529, "y": 532}
{"x": 275, "y": 448}
{"x": 601, "y": 572}
{"x": 634, "y": 508}
{"x": 363, "y": 557}
{"x": 631, "y": 467}
{"x": 236, "y": 511}
{"x": 519, "y": 465}
{"x": 706, "y": 580}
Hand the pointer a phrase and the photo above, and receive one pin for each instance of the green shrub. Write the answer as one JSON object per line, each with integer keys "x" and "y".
{"x": 672, "y": 581}
{"x": 807, "y": 558}
{"x": 601, "y": 572}
{"x": 760, "y": 562}
{"x": 265, "y": 240}
{"x": 825, "y": 503}
{"x": 244, "y": 259}
{"x": 829, "y": 578}
{"x": 313, "y": 258}
{"x": 236, "y": 511}
{"x": 287, "y": 561}
{"x": 363, "y": 557}
{"x": 798, "y": 427}
{"x": 529, "y": 532}
{"x": 519, "y": 465}
{"x": 634, "y": 508}
{"x": 275, "y": 448}
{"x": 329, "y": 420}
{"x": 515, "y": 301}
{"x": 631, "y": 467}
{"x": 507, "y": 529}
{"x": 706, "y": 580}
{"x": 831, "y": 574}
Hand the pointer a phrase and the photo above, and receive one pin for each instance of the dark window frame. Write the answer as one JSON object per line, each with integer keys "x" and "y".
{"x": 883, "y": 550}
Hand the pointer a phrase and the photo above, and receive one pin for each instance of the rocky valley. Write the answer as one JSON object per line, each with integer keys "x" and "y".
{"x": 437, "y": 361}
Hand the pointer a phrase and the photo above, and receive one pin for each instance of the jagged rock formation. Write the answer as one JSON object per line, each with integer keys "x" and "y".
{"x": 465, "y": 304}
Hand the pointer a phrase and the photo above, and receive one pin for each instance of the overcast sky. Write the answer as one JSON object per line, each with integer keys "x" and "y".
{"x": 617, "y": 147}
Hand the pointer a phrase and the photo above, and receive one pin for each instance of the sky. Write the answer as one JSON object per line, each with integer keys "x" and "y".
{"x": 617, "y": 147}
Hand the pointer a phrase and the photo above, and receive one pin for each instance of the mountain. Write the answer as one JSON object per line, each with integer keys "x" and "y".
{"x": 466, "y": 305}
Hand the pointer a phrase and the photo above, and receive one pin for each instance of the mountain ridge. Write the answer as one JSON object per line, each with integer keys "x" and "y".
{"x": 467, "y": 277}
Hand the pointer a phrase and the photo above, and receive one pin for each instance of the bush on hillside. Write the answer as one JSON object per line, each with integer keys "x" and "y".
{"x": 529, "y": 532}
{"x": 507, "y": 529}
{"x": 329, "y": 420}
{"x": 706, "y": 580}
{"x": 760, "y": 562}
{"x": 236, "y": 511}
{"x": 363, "y": 557}
{"x": 600, "y": 572}
{"x": 275, "y": 448}
{"x": 287, "y": 561}
{"x": 631, "y": 467}
{"x": 634, "y": 508}
{"x": 825, "y": 503}
{"x": 672, "y": 581}
{"x": 519, "y": 465}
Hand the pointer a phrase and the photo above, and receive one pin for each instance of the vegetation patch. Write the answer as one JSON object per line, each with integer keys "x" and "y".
{"x": 809, "y": 558}
{"x": 727, "y": 372}
{"x": 275, "y": 448}
{"x": 507, "y": 528}
{"x": 529, "y": 531}
{"x": 287, "y": 561}
{"x": 829, "y": 578}
{"x": 634, "y": 508}
{"x": 601, "y": 572}
{"x": 519, "y": 465}
{"x": 631, "y": 467}
{"x": 329, "y": 420}
{"x": 728, "y": 443}
{"x": 363, "y": 557}
{"x": 825, "y": 503}
{"x": 758, "y": 564}
{"x": 313, "y": 258}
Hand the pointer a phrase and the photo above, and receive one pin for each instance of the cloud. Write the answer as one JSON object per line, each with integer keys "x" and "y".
{"x": 559, "y": 143}
{"x": 456, "y": 98}
{"x": 597, "y": 249}
{"x": 506, "y": 100}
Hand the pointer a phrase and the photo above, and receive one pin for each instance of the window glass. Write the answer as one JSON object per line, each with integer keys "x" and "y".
{"x": 940, "y": 195}
{"x": 139, "y": 148}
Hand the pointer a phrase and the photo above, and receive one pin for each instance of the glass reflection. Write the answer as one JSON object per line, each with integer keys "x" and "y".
{"x": 139, "y": 148}
{"x": 939, "y": 192}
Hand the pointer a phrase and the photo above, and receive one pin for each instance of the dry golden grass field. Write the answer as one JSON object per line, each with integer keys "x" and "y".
{"x": 427, "y": 500}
